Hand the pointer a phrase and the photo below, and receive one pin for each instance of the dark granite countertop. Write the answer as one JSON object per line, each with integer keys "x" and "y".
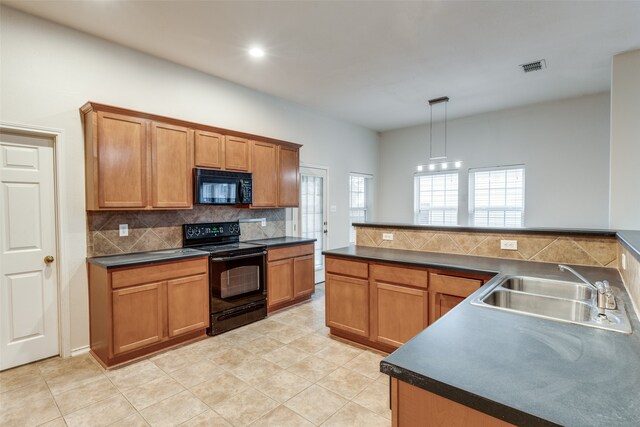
{"x": 139, "y": 258}
{"x": 631, "y": 240}
{"x": 282, "y": 241}
{"x": 501, "y": 230}
{"x": 522, "y": 369}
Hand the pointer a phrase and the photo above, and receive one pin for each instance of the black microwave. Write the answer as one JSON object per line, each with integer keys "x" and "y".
{"x": 214, "y": 187}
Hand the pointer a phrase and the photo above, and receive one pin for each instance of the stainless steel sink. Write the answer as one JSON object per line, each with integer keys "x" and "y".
{"x": 552, "y": 288}
{"x": 554, "y": 300}
{"x": 565, "y": 309}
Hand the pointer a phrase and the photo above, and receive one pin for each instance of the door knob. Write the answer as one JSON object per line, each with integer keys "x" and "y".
{"x": 48, "y": 259}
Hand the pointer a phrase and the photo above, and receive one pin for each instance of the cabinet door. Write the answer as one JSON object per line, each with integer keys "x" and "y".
{"x": 171, "y": 166}
{"x": 399, "y": 313}
{"x": 209, "y": 150}
{"x": 137, "y": 317}
{"x": 303, "y": 276}
{"x": 440, "y": 304}
{"x": 236, "y": 154}
{"x": 280, "y": 281}
{"x": 187, "y": 304}
{"x": 122, "y": 161}
{"x": 347, "y": 304}
{"x": 264, "y": 170}
{"x": 288, "y": 177}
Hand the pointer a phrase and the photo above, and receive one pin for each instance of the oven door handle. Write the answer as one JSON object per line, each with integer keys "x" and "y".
{"x": 233, "y": 258}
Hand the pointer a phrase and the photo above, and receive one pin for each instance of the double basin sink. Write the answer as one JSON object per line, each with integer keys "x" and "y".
{"x": 554, "y": 300}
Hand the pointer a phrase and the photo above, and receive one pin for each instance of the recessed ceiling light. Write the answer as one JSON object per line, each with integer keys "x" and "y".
{"x": 256, "y": 52}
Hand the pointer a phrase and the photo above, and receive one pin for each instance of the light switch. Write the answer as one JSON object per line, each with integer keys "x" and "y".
{"x": 124, "y": 230}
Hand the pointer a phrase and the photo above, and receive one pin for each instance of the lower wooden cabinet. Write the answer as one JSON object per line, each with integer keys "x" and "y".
{"x": 137, "y": 317}
{"x": 347, "y": 304}
{"x": 290, "y": 275}
{"x": 412, "y": 406}
{"x": 135, "y": 311}
{"x": 385, "y": 305}
{"x": 445, "y": 292}
{"x": 187, "y": 304}
{"x": 399, "y": 313}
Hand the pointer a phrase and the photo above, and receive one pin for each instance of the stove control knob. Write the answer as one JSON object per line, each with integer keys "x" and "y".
{"x": 197, "y": 231}
{"x": 189, "y": 232}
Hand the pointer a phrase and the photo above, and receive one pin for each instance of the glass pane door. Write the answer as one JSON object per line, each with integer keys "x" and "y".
{"x": 313, "y": 221}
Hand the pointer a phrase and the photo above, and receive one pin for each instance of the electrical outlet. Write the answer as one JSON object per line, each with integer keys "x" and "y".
{"x": 263, "y": 222}
{"x": 624, "y": 262}
{"x": 387, "y": 236}
{"x": 509, "y": 245}
{"x": 124, "y": 230}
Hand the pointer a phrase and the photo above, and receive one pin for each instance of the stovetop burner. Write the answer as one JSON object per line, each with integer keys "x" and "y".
{"x": 220, "y": 238}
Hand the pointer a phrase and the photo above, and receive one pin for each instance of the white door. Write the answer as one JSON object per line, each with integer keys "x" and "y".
{"x": 28, "y": 281}
{"x": 313, "y": 212}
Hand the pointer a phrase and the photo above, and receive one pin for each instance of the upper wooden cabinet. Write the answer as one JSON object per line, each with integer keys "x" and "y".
{"x": 288, "y": 177}
{"x": 116, "y": 162}
{"x": 209, "y": 150}
{"x": 171, "y": 165}
{"x": 237, "y": 154}
{"x": 264, "y": 160}
{"x": 136, "y": 160}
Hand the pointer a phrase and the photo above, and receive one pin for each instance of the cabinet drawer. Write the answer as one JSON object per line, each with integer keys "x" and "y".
{"x": 157, "y": 272}
{"x": 347, "y": 268}
{"x": 289, "y": 252}
{"x": 453, "y": 285}
{"x": 400, "y": 275}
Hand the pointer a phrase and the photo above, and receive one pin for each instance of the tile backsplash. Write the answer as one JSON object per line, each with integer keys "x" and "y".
{"x": 579, "y": 249}
{"x": 154, "y": 230}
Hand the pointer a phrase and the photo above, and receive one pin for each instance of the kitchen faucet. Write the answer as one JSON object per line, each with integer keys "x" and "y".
{"x": 605, "y": 299}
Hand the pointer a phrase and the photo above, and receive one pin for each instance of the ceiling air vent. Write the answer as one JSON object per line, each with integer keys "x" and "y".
{"x": 534, "y": 66}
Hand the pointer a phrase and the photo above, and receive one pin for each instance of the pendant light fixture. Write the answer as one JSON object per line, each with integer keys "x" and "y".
{"x": 440, "y": 105}
{"x": 444, "y": 100}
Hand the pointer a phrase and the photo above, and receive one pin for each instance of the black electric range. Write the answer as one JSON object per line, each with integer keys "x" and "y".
{"x": 237, "y": 274}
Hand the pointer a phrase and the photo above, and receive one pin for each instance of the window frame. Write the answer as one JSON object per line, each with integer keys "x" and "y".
{"x": 416, "y": 196}
{"x": 472, "y": 190}
{"x": 367, "y": 183}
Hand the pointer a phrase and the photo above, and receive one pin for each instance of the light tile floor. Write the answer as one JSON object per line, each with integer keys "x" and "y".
{"x": 281, "y": 371}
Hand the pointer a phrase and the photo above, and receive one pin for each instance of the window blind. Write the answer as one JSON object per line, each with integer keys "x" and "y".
{"x": 436, "y": 199}
{"x": 497, "y": 197}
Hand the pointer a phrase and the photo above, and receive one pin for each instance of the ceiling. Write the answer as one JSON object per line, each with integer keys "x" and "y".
{"x": 375, "y": 63}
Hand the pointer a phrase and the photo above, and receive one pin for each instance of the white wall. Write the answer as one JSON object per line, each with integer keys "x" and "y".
{"x": 625, "y": 141}
{"x": 564, "y": 145}
{"x": 48, "y": 71}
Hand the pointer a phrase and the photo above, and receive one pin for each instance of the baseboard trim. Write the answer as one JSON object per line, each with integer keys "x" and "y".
{"x": 79, "y": 351}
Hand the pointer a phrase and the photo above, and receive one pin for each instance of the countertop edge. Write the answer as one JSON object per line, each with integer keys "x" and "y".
{"x": 302, "y": 241}
{"x": 471, "y": 400}
{"x": 454, "y": 228}
{"x": 93, "y": 261}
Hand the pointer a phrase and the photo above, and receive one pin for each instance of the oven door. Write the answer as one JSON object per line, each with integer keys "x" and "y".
{"x": 237, "y": 277}
{"x": 217, "y": 190}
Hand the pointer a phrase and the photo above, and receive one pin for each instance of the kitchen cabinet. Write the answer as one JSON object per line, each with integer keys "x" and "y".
{"x": 237, "y": 154}
{"x": 412, "y": 406}
{"x": 384, "y": 305}
{"x": 136, "y": 311}
{"x": 171, "y": 166}
{"x": 209, "y": 150}
{"x": 288, "y": 177}
{"x": 290, "y": 275}
{"x": 116, "y": 162}
{"x": 347, "y": 304}
{"x": 140, "y": 161}
{"x": 446, "y": 291}
{"x": 264, "y": 159}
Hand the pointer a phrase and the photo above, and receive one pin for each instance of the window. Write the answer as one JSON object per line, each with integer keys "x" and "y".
{"x": 359, "y": 199}
{"x": 496, "y": 197}
{"x": 436, "y": 199}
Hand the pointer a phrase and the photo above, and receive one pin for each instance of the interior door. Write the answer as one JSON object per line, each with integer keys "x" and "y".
{"x": 28, "y": 276}
{"x": 312, "y": 213}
